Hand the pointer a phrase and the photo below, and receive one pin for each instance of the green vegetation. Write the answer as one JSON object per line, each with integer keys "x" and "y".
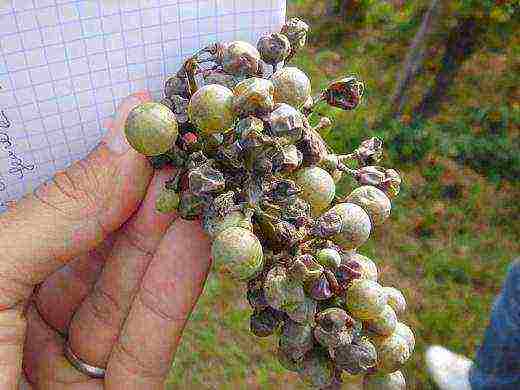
{"x": 455, "y": 227}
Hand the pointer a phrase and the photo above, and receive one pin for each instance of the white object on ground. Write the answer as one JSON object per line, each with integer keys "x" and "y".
{"x": 449, "y": 371}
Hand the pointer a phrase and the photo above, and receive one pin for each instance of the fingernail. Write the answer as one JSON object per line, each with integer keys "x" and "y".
{"x": 115, "y": 140}
{"x": 143, "y": 96}
{"x": 124, "y": 108}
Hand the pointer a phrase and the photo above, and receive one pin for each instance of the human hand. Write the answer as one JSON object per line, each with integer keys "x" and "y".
{"x": 117, "y": 278}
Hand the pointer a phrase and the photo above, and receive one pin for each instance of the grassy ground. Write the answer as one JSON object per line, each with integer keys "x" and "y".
{"x": 453, "y": 230}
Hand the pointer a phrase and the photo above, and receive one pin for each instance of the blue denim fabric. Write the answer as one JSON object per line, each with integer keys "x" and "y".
{"x": 497, "y": 364}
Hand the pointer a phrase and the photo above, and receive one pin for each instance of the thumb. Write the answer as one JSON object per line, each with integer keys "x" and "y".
{"x": 73, "y": 212}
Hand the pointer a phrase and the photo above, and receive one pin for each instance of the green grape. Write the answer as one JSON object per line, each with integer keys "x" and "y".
{"x": 253, "y": 96}
{"x": 291, "y": 86}
{"x": 151, "y": 128}
{"x": 396, "y": 300}
{"x": 373, "y": 201}
{"x": 239, "y": 251}
{"x": 329, "y": 258}
{"x": 211, "y": 109}
{"x": 392, "y": 381}
{"x": 167, "y": 201}
{"x": 385, "y": 323}
{"x": 355, "y": 225}
{"x": 318, "y": 188}
{"x": 365, "y": 299}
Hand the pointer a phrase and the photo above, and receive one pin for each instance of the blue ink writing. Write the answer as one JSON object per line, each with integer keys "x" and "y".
{"x": 5, "y": 123}
{"x": 17, "y": 167}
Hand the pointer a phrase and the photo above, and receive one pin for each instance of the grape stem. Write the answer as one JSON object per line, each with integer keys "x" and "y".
{"x": 191, "y": 65}
{"x": 190, "y": 68}
{"x": 317, "y": 99}
{"x": 353, "y": 172}
{"x": 173, "y": 183}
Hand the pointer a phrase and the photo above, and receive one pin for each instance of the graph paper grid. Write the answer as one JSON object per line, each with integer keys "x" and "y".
{"x": 66, "y": 65}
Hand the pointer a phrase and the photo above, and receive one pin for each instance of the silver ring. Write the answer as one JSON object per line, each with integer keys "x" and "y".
{"x": 81, "y": 366}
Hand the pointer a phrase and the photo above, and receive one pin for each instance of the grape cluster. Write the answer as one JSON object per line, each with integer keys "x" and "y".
{"x": 236, "y": 123}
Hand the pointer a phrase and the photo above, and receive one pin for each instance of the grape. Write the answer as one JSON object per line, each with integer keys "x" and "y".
{"x": 368, "y": 267}
{"x": 239, "y": 251}
{"x": 355, "y": 225}
{"x": 274, "y": 48}
{"x": 329, "y": 257}
{"x": 253, "y": 96}
{"x": 396, "y": 300}
{"x": 392, "y": 381}
{"x": 211, "y": 109}
{"x": 241, "y": 59}
{"x": 151, "y": 128}
{"x": 393, "y": 351}
{"x": 385, "y": 323}
{"x": 296, "y": 31}
{"x": 318, "y": 188}
{"x": 373, "y": 201}
{"x": 316, "y": 370}
{"x": 216, "y": 224}
{"x": 167, "y": 201}
{"x": 262, "y": 182}
{"x": 365, "y": 299}
{"x": 291, "y": 86}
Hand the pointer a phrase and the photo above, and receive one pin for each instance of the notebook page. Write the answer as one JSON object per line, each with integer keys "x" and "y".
{"x": 65, "y": 66}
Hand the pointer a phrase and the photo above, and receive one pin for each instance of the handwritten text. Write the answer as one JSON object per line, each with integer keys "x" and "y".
{"x": 5, "y": 123}
{"x": 17, "y": 167}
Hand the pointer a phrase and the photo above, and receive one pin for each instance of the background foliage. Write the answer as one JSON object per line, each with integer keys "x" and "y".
{"x": 454, "y": 229}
